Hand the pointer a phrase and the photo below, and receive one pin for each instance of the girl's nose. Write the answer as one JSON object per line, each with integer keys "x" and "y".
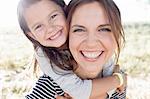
{"x": 50, "y": 28}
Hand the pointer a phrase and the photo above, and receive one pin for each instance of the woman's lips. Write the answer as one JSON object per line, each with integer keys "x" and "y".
{"x": 91, "y": 55}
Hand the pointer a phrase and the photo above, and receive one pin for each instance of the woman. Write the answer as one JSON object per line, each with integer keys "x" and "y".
{"x": 96, "y": 35}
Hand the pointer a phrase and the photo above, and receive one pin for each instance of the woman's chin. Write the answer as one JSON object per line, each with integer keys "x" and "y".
{"x": 92, "y": 75}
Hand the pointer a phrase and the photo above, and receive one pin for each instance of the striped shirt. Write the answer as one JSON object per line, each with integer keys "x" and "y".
{"x": 45, "y": 88}
{"x": 118, "y": 95}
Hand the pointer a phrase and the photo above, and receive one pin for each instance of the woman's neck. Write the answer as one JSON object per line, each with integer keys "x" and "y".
{"x": 83, "y": 74}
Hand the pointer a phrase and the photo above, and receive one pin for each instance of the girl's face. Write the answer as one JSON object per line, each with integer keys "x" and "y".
{"x": 47, "y": 23}
{"x": 91, "y": 41}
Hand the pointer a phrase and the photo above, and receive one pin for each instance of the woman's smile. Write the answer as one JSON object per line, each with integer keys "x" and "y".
{"x": 91, "y": 55}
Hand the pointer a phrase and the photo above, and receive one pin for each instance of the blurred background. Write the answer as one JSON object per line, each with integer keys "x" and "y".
{"x": 16, "y": 52}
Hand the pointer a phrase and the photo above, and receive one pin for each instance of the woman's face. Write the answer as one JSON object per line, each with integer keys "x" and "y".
{"x": 47, "y": 23}
{"x": 91, "y": 41}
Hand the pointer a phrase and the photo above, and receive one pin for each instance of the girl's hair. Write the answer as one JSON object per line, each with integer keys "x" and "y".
{"x": 54, "y": 54}
{"x": 113, "y": 15}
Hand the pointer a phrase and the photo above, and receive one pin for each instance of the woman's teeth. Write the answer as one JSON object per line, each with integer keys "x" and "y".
{"x": 91, "y": 55}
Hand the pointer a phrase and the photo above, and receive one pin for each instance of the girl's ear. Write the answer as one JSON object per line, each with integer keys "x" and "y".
{"x": 31, "y": 35}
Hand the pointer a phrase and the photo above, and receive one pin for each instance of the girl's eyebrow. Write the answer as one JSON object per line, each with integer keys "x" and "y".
{"x": 52, "y": 13}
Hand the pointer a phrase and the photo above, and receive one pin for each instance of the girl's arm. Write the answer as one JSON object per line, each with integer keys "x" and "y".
{"x": 102, "y": 85}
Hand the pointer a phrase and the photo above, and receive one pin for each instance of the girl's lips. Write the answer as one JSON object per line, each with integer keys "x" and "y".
{"x": 56, "y": 35}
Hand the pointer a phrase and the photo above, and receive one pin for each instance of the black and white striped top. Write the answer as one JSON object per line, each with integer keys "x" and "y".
{"x": 45, "y": 88}
{"x": 118, "y": 95}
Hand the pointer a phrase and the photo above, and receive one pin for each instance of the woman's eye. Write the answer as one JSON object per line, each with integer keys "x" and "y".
{"x": 104, "y": 30}
{"x": 78, "y": 30}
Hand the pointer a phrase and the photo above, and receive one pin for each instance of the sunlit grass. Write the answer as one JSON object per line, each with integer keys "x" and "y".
{"x": 136, "y": 54}
{"x": 15, "y": 49}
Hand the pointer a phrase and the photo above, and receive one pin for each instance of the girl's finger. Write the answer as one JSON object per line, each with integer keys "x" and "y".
{"x": 67, "y": 96}
{"x": 59, "y": 97}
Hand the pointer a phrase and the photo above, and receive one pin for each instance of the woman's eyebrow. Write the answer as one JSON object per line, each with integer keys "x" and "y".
{"x": 104, "y": 25}
{"x": 80, "y": 26}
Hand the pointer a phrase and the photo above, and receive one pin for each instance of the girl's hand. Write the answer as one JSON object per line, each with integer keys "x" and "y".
{"x": 66, "y": 96}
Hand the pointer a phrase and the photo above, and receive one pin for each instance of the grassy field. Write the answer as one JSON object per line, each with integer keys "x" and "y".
{"x": 16, "y": 54}
{"x": 136, "y": 54}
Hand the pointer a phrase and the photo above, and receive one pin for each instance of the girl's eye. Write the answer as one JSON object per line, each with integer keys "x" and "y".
{"x": 78, "y": 30}
{"x": 53, "y": 16}
{"x": 104, "y": 30}
{"x": 38, "y": 27}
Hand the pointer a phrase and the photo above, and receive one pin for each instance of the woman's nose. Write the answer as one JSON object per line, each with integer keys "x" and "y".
{"x": 91, "y": 40}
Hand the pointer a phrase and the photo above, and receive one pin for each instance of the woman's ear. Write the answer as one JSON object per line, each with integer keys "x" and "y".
{"x": 31, "y": 35}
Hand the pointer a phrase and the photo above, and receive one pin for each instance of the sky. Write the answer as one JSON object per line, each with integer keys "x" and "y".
{"x": 131, "y": 11}
{"x": 8, "y": 13}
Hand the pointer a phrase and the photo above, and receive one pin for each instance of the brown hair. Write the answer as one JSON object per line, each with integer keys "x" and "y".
{"x": 113, "y": 14}
{"x": 54, "y": 54}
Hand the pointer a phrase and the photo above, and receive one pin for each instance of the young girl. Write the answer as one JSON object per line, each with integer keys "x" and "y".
{"x": 44, "y": 23}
